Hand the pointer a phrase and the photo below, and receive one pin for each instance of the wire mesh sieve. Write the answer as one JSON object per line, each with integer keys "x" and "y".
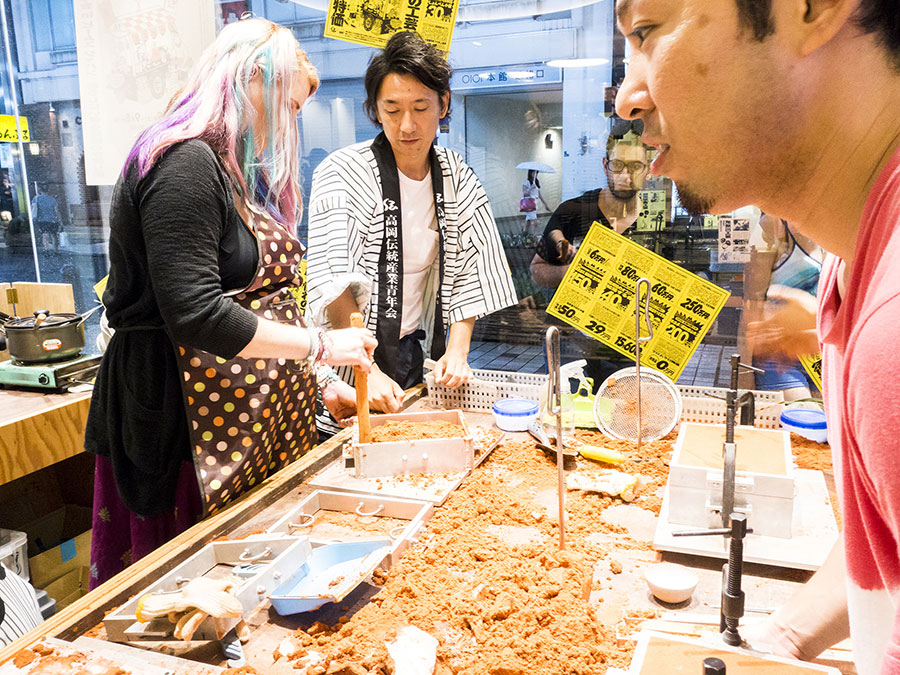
{"x": 616, "y": 405}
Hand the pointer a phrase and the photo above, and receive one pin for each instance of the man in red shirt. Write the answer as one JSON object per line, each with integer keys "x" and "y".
{"x": 799, "y": 104}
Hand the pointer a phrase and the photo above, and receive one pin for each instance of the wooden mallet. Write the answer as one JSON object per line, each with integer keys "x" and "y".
{"x": 362, "y": 390}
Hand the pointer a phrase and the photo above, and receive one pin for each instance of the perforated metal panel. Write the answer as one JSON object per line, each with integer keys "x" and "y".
{"x": 489, "y": 385}
{"x": 705, "y": 404}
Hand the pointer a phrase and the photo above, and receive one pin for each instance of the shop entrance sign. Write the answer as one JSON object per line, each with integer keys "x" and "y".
{"x": 596, "y": 296}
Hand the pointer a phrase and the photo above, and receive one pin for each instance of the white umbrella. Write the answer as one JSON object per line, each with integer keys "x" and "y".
{"x": 537, "y": 166}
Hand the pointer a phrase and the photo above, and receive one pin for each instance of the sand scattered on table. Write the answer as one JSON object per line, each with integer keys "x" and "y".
{"x": 496, "y": 605}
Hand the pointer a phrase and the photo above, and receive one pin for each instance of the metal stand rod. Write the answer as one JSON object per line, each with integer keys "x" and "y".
{"x": 637, "y": 346}
{"x": 554, "y": 405}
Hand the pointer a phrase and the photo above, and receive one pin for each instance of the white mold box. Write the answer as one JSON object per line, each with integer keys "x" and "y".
{"x": 764, "y": 480}
{"x": 427, "y": 455}
{"x": 300, "y": 519}
{"x": 276, "y": 554}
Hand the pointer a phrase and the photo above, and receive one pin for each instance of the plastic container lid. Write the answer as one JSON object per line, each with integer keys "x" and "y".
{"x": 516, "y": 407}
{"x": 804, "y": 419}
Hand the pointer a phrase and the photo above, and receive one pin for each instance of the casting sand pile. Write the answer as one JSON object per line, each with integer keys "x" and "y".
{"x": 489, "y": 582}
{"x": 414, "y": 431}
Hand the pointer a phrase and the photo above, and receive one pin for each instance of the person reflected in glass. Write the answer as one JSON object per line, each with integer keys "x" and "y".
{"x": 615, "y": 206}
{"x": 209, "y": 382}
{"x": 531, "y": 195}
{"x": 46, "y": 215}
{"x": 791, "y": 279}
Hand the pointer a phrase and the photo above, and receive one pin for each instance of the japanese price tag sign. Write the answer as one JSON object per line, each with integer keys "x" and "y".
{"x": 8, "y": 131}
{"x": 597, "y": 297}
{"x": 373, "y": 22}
{"x": 653, "y": 210}
{"x": 812, "y": 363}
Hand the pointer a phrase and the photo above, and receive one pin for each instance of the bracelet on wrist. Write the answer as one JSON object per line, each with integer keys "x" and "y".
{"x": 315, "y": 345}
{"x": 325, "y": 347}
{"x": 325, "y": 376}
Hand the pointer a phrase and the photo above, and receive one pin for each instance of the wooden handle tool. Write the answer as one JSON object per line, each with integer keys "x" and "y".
{"x": 362, "y": 390}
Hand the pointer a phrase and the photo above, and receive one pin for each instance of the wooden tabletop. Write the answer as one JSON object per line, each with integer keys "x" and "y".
{"x": 37, "y": 430}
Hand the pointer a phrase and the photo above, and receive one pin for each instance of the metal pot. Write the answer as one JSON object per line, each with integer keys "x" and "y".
{"x": 46, "y": 337}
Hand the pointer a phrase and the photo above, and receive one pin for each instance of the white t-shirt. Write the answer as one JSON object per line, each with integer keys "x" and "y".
{"x": 420, "y": 246}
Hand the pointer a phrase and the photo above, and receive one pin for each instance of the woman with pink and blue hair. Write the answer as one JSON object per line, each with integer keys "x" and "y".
{"x": 208, "y": 384}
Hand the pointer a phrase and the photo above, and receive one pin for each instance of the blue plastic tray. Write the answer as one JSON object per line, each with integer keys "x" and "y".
{"x": 328, "y": 575}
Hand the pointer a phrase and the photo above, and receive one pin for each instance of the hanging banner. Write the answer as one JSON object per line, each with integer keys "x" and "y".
{"x": 813, "y": 365}
{"x": 734, "y": 240}
{"x": 373, "y": 22}
{"x": 132, "y": 57}
{"x": 597, "y": 297}
{"x": 8, "y": 131}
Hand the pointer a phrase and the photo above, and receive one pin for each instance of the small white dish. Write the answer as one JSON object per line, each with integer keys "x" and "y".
{"x": 671, "y": 583}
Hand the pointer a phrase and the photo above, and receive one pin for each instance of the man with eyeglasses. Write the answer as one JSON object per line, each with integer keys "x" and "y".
{"x": 616, "y": 206}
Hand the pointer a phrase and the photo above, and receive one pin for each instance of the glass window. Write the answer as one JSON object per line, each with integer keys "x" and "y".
{"x": 63, "y": 19}
{"x": 41, "y": 25}
{"x": 528, "y": 88}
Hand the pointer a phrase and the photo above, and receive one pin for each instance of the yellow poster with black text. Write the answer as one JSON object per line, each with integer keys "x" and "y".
{"x": 813, "y": 365}
{"x": 597, "y": 293}
{"x": 373, "y": 22}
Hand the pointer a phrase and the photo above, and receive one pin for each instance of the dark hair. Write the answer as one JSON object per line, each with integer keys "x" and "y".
{"x": 757, "y": 16}
{"x": 882, "y": 17}
{"x": 872, "y": 16}
{"x": 407, "y": 54}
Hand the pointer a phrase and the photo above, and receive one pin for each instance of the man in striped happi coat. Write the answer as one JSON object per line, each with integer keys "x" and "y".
{"x": 402, "y": 230}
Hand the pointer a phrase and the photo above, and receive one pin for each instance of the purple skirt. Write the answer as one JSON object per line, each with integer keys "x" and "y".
{"x": 122, "y": 537}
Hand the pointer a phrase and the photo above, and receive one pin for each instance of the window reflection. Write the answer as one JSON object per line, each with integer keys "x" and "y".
{"x": 528, "y": 87}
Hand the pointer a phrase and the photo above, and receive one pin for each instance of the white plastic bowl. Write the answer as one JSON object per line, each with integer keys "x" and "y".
{"x": 515, "y": 414}
{"x": 810, "y": 424}
{"x": 671, "y": 583}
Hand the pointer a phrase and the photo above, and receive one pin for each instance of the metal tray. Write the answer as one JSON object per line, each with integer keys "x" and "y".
{"x": 428, "y": 455}
{"x": 328, "y": 575}
{"x": 302, "y": 519}
{"x": 261, "y": 562}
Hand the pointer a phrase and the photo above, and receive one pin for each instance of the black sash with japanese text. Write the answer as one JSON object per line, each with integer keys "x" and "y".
{"x": 390, "y": 260}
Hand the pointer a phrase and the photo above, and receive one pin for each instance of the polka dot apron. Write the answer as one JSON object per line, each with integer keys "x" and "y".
{"x": 249, "y": 418}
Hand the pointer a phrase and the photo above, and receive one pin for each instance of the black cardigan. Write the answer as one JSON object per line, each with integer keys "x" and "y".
{"x": 176, "y": 244}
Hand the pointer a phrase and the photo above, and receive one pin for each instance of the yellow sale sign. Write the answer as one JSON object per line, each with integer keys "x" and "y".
{"x": 813, "y": 365}
{"x": 598, "y": 291}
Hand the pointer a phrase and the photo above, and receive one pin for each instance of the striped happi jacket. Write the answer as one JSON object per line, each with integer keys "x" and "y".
{"x": 19, "y": 611}
{"x": 346, "y": 227}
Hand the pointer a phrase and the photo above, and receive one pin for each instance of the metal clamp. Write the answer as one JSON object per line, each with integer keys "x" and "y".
{"x": 246, "y": 556}
{"x": 311, "y": 518}
{"x": 732, "y": 606}
{"x": 362, "y": 513}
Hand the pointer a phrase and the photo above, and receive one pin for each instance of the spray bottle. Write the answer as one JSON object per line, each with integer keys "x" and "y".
{"x": 567, "y": 372}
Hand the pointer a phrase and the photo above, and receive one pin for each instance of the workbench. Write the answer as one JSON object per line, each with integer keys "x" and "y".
{"x": 618, "y": 587}
{"x": 38, "y": 430}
